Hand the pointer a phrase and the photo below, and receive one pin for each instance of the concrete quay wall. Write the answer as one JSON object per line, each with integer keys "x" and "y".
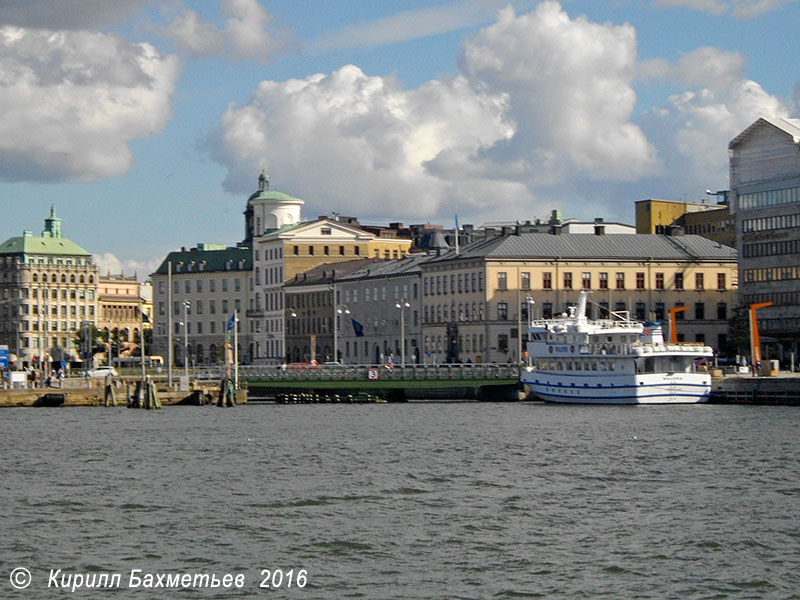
{"x": 781, "y": 390}
{"x": 95, "y": 396}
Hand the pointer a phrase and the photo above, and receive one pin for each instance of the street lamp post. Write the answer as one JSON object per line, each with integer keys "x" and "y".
{"x": 340, "y": 309}
{"x": 402, "y": 305}
{"x": 286, "y": 327}
{"x": 186, "y": 340}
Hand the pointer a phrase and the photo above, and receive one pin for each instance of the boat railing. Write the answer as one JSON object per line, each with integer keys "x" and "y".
{"x": 622, "y": 349}
{"x": 598, "y": 324}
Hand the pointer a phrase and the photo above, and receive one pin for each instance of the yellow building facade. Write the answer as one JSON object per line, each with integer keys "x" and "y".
{"x": 476, "y": 304}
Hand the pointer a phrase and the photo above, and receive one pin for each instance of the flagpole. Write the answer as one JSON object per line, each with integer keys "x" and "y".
{"x": 235, "y": 351}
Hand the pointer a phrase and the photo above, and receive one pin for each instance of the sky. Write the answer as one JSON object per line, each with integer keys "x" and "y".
{"x": 146, "y": 123}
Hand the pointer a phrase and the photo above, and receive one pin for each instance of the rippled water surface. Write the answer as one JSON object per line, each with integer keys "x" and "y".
{"x": 410, "y": 501}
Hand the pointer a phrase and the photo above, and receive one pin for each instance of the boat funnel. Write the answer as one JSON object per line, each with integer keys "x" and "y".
{"x": 583, "y": 299}
{"x": 652, "y": 333}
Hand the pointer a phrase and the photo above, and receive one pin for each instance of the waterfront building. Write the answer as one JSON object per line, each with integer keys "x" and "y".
{"x": 476, "y": 303}
{"x": 49, "y": 291}
{"x": 283, "y": 246}
{"x": 713, "y": 221}
{"x": 209, "y": 282}
{"x": 379, "y": 310}
{"x": 120, "y": 306}
{"x": 313, "y": 302}
{"x": 765, "y": 198}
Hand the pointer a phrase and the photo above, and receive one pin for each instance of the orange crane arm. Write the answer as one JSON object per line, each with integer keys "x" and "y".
{"x": 673, "y": 333}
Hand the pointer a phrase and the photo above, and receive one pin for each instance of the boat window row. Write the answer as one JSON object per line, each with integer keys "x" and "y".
{"x": 575, "y": 365}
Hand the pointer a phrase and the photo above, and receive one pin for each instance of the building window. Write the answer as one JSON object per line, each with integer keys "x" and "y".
{"x": 659, "y": 311}
{"x": 620, "y": 281}
{"x": 547, "y": 280}
{"x": 502, "y": 283}
{"x": 547, "y": 310}
{"x": 698, "y": 281}
{"x": 603, "y": 281}
{"x": 502, "y": 311}
{"x": 699, "y": 311}
{"x": 311, "y": 250}
{"x": 721, "y": 281}
{"x": 639, "y": 280}
{"x": 640, "y": 311}
{"x": 325, "y": 231}
{"x": 586, "y": 280}
{"x": 660, "y": 282}
{"x": 502, "y": 343}
{"x": 679, "y": 315}
{"x": 356, "y": 250}
{"x": 722, "y": 311}
{"x": 524, "y": 280}
{"x": 678, "y": 281}
{"x": 567, "y": 281}
{"x": 296, "y": 250}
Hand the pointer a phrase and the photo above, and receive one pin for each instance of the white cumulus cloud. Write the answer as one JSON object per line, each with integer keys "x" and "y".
{"x": 110, "y": 263}
{"x": 348, "y": 141}
{"x": 693, "y": 128}
{"x": 248, "y": 33}
{"x": 72, "y": 100}
{"x": 570, "y": 87}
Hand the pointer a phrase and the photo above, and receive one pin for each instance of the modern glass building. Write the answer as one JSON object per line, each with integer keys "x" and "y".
{"x": 765, "y": 197}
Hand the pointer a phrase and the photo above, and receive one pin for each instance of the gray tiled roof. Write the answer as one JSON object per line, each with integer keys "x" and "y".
{"x": 329, "y": 272}
{"x": 585, "y": 246}
{"x": 389, "y": 268}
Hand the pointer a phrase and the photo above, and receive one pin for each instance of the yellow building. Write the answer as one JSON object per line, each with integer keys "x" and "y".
{"x": 476, "y": 303}
{"x": 283, "y": 246}
{"x": 120, "y": 303}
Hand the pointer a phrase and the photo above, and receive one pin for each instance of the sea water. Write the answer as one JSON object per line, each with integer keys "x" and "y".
{"x": 470, "y": 500}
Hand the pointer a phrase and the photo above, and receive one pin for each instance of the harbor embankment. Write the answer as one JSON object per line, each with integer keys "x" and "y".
{"x": 783, "y": 389}
{"x": 75, "y": 393}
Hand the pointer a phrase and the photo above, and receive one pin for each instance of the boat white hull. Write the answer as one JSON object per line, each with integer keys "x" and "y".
{"x": 654, "y": 388}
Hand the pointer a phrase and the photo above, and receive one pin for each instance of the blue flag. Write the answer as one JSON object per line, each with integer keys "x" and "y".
{"x": 231, "y": 323}
{"x": 358, "y": 328}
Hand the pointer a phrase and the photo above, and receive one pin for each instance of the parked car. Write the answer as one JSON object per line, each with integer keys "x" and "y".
{"x": 101, "y": 372}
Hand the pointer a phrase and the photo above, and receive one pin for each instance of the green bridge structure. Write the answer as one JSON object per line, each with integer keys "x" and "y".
{"x": 341, "y": 383}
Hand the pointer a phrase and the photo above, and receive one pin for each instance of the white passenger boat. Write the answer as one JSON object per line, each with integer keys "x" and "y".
{"x": 612, "y": 361}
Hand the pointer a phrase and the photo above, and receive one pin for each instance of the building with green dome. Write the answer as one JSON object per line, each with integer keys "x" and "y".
{"x": 49, "y": 289}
